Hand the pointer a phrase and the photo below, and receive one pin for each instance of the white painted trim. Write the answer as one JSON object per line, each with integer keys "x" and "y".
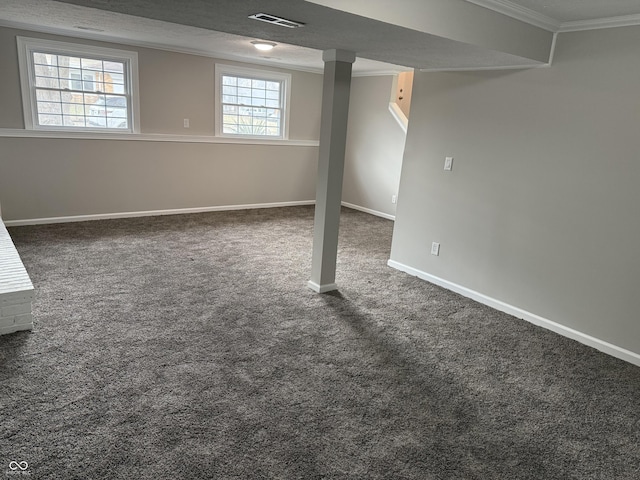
{"x": 152, "y": 213}
{"x": 382, "y": 73}
{"x": 519, "y": 12}
{"x": 611, "y": 22}
{"x": 552, "y": 53}
{"x": 478, "y": 69}
{"x": 329, "y": 287}
{"x": 583, "y": 338}
{"x": 151, "y": 137}
{"x": 255, "y": 73}
{"x": 369, "y": 211}
{"x": 15, "y": 328}
{"x": 399, "y": 116}
{"x": 27, "y": 45}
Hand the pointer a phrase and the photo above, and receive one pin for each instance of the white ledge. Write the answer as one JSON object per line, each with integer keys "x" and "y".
{"x": 399, "y": 116}
{"x": 151, "y": 137}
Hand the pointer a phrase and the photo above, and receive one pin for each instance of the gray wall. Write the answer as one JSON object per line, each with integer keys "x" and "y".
{"x": 41, "y": 178}
{"x": 541, "y": 208}
{"x": 375, "y": 143}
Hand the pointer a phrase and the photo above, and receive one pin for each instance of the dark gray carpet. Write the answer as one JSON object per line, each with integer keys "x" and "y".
{"x": 190, "y": 347}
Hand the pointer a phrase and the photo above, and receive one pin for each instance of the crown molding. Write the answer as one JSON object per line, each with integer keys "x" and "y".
{"x": 526, "y": 15}
{"x": 611, "y": 22}
{"x": 519, "y": 12}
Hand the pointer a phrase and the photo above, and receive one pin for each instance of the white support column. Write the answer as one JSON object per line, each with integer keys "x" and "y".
{"x": 333, "y": 139}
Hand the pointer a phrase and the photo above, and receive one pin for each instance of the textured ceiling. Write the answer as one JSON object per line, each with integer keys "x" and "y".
{"x": 141, "y": 21}
{"x": 578, "y": 10}
{"x": 197, "y": 26}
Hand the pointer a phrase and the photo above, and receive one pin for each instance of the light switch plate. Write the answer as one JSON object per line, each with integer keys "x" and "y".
{"x": 448, "y": 163}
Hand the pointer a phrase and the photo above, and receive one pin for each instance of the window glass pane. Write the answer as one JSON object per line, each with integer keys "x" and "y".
{"x": 70, "y": 90}
{"x": 229, "y": 90}
{"x": 115, "y": 78}
{"x": 48, "y": 95}
{"x": 273, "y": 94}
{"x": 94, "y": 99}
{"x": 251, "y": 106}
{"x": 67, "y": 96}
{"x": 73, "y": 121}
{"x": 226, "y": 80}
{"x": 117, "y": 112}
{"x": 75, "y": 108}
{"x": 98, "y": 122}
{"x": 88, "y": 83}
{"x": 65, "y": 61}
{"x": 46, "y": 71}
{"x": 45, "y": 59}
{"x": 114, "y": 67}
{"x": 47, "y": 82}
{"x": 91, "y": 64}
{"x": 258, "y": 93}
{"x": 49, "y": 107}
{"x": 53, "y": 120}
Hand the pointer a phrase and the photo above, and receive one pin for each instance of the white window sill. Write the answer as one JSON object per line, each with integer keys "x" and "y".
{"x": 151, "y": 137}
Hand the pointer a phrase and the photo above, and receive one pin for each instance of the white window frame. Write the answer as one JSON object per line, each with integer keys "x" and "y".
{"x": 258, "y": 74}
{"x": 26, "y": 47}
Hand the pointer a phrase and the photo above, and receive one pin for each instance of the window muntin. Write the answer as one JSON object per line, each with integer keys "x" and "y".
{"x": 73, "y": 87}
{"x": 252, "y": 103}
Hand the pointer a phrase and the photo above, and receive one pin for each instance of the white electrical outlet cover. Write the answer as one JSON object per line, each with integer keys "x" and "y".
{"x": 435, "y": 248}
{"x": 448, "y": 163}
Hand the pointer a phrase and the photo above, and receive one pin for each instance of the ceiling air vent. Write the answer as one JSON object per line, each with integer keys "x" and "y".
{"x": 283, "y": 22}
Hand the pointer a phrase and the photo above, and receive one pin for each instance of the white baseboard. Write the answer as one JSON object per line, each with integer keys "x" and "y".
{"x": 15, "y": 328}
{"x": 583, "y": 338}
{"x": 151, "y": 213}
{"x": 368, "y": 210}
{"x": 329, "y": 287}
{"x": 178, "y": 211}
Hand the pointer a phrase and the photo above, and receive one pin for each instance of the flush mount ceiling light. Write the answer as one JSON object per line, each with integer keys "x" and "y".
{"x": 263, "y": 46}
{"x": 272, "y": 19}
